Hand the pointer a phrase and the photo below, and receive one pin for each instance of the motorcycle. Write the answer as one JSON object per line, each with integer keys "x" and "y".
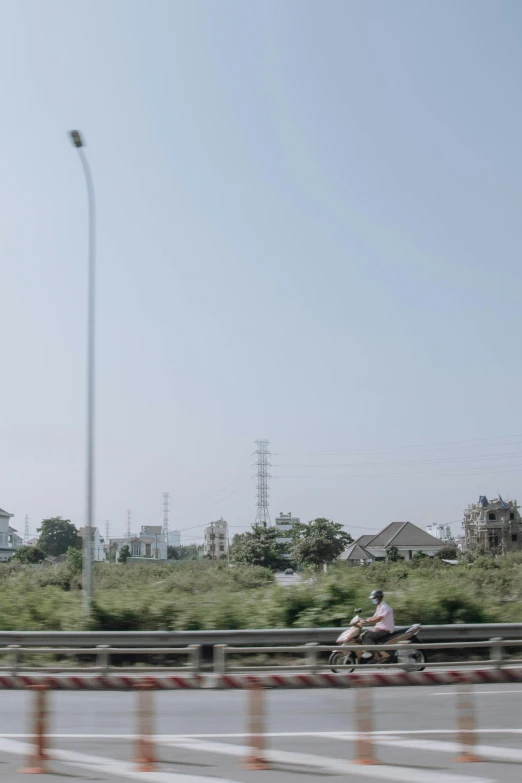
{"x": 410, "y": 659}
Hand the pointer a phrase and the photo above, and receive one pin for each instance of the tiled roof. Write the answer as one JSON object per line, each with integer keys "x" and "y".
{"x": 364, "y": 540}
{"x": 356, "y": 552}
{"x": 404, "y": 534}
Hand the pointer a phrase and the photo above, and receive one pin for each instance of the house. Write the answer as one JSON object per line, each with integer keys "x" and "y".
{"x": 10, "y": 541}
{"x": 493, "y": 526}
{"x": 356, "y": 554}
{"x": 216, "y": 539}
{"x": 405, "y": 536}
{"x": 150, "y": 543}
{"x": 98, "y": 552}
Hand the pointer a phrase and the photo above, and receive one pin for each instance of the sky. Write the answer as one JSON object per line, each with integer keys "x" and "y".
{"x": 307, "y": 230}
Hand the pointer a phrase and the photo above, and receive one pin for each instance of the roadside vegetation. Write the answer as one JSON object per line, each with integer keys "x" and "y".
{"x": 185, "y": 595}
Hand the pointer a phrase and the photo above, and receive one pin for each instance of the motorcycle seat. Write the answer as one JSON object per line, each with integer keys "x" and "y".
{"x": 412, "y": 629}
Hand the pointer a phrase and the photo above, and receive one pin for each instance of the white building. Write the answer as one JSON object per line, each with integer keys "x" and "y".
{"x": 285, "y": 524}
{"x": 216, "y": 540}
{"x": 442, "y": 532}
{"x": 149, "y": 542}
{"x": 10, "y": 541}
{"x": 98, "y": 551}
{"x": 494, "y": 526}
{"x": 174, "y": 538}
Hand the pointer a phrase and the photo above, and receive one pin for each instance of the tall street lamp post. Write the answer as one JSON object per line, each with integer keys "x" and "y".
{"x": 91, "y": 316}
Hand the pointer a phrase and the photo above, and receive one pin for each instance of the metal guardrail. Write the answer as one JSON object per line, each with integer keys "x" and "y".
{"x": 310, "y": 653}
{"x": 312, "y": 663}
{"x": 262, "y": 637}
{"x": 103, "y": 655}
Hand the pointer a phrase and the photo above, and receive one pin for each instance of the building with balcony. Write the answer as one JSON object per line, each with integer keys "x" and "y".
{"x": 216, "y": 540}
{"x": 10, "y": 541}
{"x": 493, "y": 526}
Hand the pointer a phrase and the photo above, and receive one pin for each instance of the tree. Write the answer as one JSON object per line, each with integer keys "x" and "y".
{"x": 318, "y": 542}
{"x": 75, "y": 559}
{"x": 124, "y": 554}
{"x": 57, "y": 535}
{"x": 190, "y": 552}
{"x": 29, "y": 554}
{"x": 392, "y": 555}
{"x": 448, "y": 552}
{"x": 259, "y": 547}
{"x": 418, "y": 556}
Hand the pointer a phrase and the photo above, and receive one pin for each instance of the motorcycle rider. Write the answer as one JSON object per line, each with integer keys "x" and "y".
{"x": 383, "y": 620}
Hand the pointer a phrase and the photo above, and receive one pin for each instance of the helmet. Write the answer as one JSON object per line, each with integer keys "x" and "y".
{"x": 377, "y": 594}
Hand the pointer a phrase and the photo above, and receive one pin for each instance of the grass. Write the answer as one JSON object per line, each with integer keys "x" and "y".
{"x": 205, "y": 595}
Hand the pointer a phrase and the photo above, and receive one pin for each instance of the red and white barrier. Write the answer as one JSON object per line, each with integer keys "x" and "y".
{"x": 115, "y": 682}
{"x": 369, "y": 680}
{"x": 373, "y": 679}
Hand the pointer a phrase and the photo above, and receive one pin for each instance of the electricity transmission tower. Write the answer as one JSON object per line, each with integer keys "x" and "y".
{"x": 263, "y": 513}
{"x": 166, "y": 511}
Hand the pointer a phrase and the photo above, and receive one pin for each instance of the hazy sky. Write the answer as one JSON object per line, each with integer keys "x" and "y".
{"x": 309, "y": 231}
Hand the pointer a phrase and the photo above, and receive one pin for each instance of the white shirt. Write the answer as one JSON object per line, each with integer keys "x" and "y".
{"x": 385, "y": 615}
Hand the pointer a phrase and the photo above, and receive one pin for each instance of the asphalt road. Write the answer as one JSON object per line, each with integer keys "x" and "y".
{"x": 200, "y": 736}
{"x": 288, "y": 581}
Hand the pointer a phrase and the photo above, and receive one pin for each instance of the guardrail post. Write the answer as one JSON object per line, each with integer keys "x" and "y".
{"x": 220, "y": 658}
{"x": 195, "y": 657}
{"x": 312, "y": 656}
{"x": 256, "y": 720}
{"x": 15, "y": 656}
{"x": 38, "y": 757}
{"x": 364, "y": 749}
{"x": 103, "y": 657}
{"x": 496, "y": 652}
{"x": 145, "y": 759}
{"x": 466, "y": 726}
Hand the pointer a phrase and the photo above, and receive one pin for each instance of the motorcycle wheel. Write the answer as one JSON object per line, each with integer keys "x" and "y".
{"x": 340, "y": 658}
{"x": 412, "y": 660}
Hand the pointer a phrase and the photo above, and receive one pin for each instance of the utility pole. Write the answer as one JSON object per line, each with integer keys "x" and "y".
{"x": 79, "y": 143}
{"x": 108, "y": 538}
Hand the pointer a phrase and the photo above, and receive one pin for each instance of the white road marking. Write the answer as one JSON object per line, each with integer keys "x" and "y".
{"x": 339, "y": 766}
{"x": 488, "y": 752}
{"x": 108, "y": 766}
{"x": 275, "y": 734}
{"x": 506, "y": 692}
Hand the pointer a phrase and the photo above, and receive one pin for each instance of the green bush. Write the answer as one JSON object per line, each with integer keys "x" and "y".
{"x": 181, "y": 595}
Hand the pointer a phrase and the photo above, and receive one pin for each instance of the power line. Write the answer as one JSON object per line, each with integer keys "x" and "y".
{"x": 437, "y": 472}
{"x": 396, "y": 462}
{"x": 395, "y": 449}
